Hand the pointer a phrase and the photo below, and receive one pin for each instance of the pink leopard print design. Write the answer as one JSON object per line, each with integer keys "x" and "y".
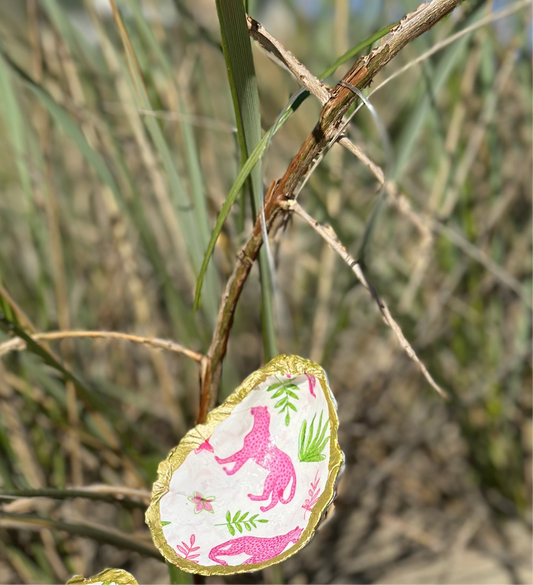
{"x": 259, "y": 549}
{"x": 258, "y": 447}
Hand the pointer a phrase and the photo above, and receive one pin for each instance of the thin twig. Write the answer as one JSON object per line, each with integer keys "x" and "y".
{"x": 100, "y": 493}
{"x": 278, "y": 53}
{"x": 119, "y": 491}
{"x": 18, "y": 344}
{"x": 331, "y": 238}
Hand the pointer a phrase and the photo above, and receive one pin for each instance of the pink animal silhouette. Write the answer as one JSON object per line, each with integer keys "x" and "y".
{"x": 259, "y": 447}
{"x": 260, "y": 549}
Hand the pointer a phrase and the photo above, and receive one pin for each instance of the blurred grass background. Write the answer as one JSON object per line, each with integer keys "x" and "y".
{"x": 113, "y": 170}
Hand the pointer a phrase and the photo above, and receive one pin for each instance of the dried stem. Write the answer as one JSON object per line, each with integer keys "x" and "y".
{"x": 331, "y": 118}
{"x": 330, "y": 237}
{"x": 286, "y": 59}
{"x": 17, "y": 344}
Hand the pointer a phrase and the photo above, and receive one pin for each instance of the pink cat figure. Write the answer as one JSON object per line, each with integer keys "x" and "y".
{"x": 260, "y": 549}
{"x": 258, "y": 446}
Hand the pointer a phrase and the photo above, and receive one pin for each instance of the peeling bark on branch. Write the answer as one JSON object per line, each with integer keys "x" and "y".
{"x": 281, "y": 55}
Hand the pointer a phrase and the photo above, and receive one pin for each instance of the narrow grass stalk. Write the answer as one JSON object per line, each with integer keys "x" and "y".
{"x": 241, "y": 73}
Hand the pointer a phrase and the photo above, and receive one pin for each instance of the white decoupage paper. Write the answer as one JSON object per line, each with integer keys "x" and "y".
{"x": 256, "y": 478}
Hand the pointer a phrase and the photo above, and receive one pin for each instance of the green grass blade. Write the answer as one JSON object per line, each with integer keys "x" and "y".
{"x": 243, "y": 83}
{"x": 178, "y": 577}
{"x": 237, "y": 49}
{"x": 270, "y": 343}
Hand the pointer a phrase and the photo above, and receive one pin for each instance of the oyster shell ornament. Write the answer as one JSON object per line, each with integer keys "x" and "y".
{"x": 248, "y": 488}
{"x": 106, "y": 577}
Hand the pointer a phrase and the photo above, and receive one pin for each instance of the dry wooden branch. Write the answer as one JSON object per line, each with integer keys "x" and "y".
{"x": 360, "y": 75}
{"x": 17, "y": 344}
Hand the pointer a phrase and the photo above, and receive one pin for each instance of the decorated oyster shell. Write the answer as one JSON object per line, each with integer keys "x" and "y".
{"x": 248, "y": 488}
{"x": 106, "y": 577}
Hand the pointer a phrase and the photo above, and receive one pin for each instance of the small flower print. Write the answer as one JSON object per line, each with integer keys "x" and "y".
{"x": 201, "y": 503}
